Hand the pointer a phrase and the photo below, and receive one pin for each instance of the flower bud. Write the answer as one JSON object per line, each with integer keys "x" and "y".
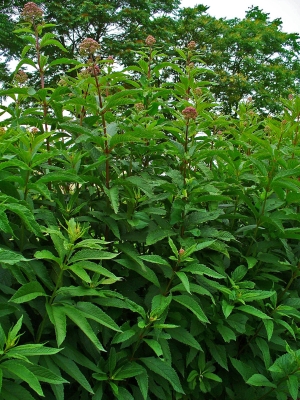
{"x": 181, "y": 252}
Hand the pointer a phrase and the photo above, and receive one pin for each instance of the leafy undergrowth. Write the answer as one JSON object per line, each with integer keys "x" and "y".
{"x": 149, "y": 244}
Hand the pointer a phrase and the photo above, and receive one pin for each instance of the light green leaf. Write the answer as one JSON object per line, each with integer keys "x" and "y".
{"x": 185, "y": 281}
{"x": 57, "y": 317}
{"x": 47, "y": 255}
{"x": 45, "y": 375}
{"x": 193, "y": 306}
{"x": 63, "y": 176}
{"x": 90, "y": 254}
{"x": 28, "y": 292}
{"x": 253, "y": 311}
{"x": 157, "y": 235}
{"x": 29, "y": 350}
{"x": 200, "y": 269}
{"x": 155, "y": 346}
{"x": 293, "y": 386}
{"x": 211, "y": 376}
{"x": 80, "y": 272}
{"x": 10, "y": 257}
{"x": 24, "y": 374}
{"x": 260, "y": 380}
{"x": 164, "y": 370}
{"x": 269, "y": 325}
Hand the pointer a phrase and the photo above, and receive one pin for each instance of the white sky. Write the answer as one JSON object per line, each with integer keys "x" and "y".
{"x": 287, "y": 10}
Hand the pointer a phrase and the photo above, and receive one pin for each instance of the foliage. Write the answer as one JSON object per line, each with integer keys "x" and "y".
{"x": 250, "y": 56}
{"x": 149, "y": 245}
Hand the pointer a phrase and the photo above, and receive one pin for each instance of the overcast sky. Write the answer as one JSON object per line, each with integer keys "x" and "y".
{"x": 287, "y": 10}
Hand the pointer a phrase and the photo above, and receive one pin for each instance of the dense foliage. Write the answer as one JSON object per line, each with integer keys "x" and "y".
{"x": 149, "y": 245}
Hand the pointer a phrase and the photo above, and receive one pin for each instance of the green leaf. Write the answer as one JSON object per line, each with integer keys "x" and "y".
{"x": 29, "y": 350}
{"x": 200, "y": 269}
{"x": 91, "y": 311}
{"x": 155, "y": 346}
{"x": 57, "y": 317}
{"x": 183, "y": 336}
{"x": 185, "y": 281}
{"x": 28, "y": 292}
{"x": 45, "y": 375}
{"x": 193, "y": 306}
{"x": 90, "y": 254}
{"x": 113, "y": 195}
{"x": 80, "y": 272}
{"x": 265, "y": 350}
{"x": 260, "y": 380}
{"x": 269, "y": 325}
{"x": 128, "y": 370}
{"x": 157, "y": 235}
{"x": 47, "y": 255}
{"x": 24, "y": 374}
{"x": 26, "y": 216}
{"x": 164, "y": 370}
{"x": 142, "y": 381}
{"x": 63, "y": 176}
{"x": 244, "y": 369}
{"x": 219, "y": 353}
{"x": 293, "y": 386}
{"x": 69, "y": 366}
{"x": 253, "y": 311}
{"x": 79, "y": 319}
{"x": 226, "y": 333}
{"x": 11, "y": 257}
{"x": 211, "y": 376}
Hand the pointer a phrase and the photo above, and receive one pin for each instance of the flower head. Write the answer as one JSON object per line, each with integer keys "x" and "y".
{"x": 139, "y": 106}
{"x": 191, "y": 45}
{"x": 31, "y": 12}
{"x": 21, "y": 76}
{"x": 88, "y": 47}
{"x": 150, "y": 40}
{"x": 190, "y": 113}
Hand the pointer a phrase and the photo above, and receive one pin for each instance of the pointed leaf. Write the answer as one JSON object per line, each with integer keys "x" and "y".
{"x": 164, "y": 370}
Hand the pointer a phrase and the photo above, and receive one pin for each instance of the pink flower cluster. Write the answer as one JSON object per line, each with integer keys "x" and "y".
{"x": 88, "y": 47}
{"x": 190, "y": 113}
{"x": 150, "y": 41}
{"x": 32, "y": 12}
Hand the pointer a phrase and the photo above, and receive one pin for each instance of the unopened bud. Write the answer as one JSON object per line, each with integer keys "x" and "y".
{"x": 181, "y": 252}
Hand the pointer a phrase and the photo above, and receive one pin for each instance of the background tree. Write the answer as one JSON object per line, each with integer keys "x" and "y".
{"x": 251, "y": 56}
